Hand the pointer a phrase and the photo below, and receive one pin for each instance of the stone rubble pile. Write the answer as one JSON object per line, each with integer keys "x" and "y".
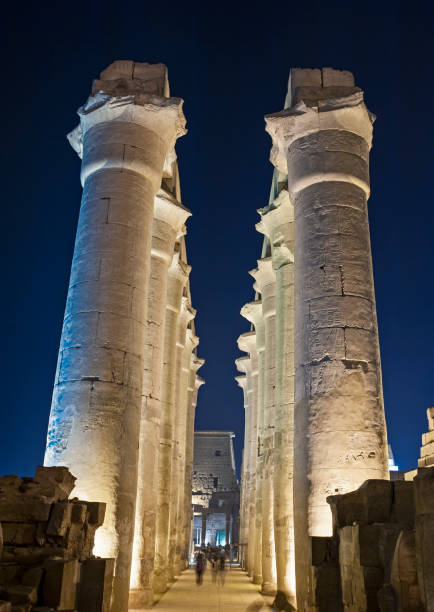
{"x": 380, "y": 555}
{"x": 46, "y": 543}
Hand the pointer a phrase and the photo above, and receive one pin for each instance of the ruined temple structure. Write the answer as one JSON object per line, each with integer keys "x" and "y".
{"x": 216, "y": 493}
{"x": 315, "y": 425}
{"x": 126, "y": 385}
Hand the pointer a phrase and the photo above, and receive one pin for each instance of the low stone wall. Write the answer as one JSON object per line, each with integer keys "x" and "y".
{"x": 46, "y": 543}
{"x": 381, "y": 555}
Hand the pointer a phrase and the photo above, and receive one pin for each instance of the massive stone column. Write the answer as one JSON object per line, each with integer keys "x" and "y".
{"x": 169, "y": 218}
{"x": 277, "y": 224}
{"x": 127, "y": 128}
{"x": 247, "y": 343}
{"x": 194, "y": 383}
{"x": 244, "y": 365}
{"x": 178, "y": 560}
{"x": 323, "y": 142}
{"x": 266, "y": 285}
{"x": 252, "y": 311}
{"x": 177, "y": 278}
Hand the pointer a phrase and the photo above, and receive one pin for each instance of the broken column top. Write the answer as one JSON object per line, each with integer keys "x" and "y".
{"x": 125, "y": 77}
{"x": 308, "y": 83}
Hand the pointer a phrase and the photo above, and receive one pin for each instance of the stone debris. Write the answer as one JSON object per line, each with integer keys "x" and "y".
{"x": 46, "y": 545}
{"x": 380, "y": 555}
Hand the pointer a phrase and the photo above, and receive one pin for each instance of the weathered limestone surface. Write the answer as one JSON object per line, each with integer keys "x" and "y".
{"x": 322, "y": 142}
{"x": 179, "y": 559}
{"x": 277, "y": 224}
{"x": 253, "y": 313}
{"x": 177, "y": 280}
{"x": 266, "y": 285}
{"x": 126, "y": 131}
{"x": 169, "y": 218}
{"x": 195, "y": 382}
{"x": 247, "y": 343}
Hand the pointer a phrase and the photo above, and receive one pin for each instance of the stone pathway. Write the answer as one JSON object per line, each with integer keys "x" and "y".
{"x": 237, "y": 595}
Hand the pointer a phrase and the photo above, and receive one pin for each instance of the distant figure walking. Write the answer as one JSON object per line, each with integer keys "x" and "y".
{"x": 221, "y": 569}
{"x": 200, "y": 567}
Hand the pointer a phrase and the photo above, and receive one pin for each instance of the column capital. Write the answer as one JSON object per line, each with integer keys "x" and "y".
{"x": 191, "y": 338}
{"x": 242, "y": 382}
{"x": 178, "y": 268}
{"x": 138, "y": 96}
{"x": 247, "y": 342}
{"x": 276, "y": 214}
{"x": 199, "y": 382}
{"x": 252, "y": 311}
{"x": 169, "y": 210}
{"x": 314, "y": 109}
{"x": 264, "y": 274}
{"x": 187, "y": 312}
{"x": 196, "y": 363}
{"x": 244, "y": 364}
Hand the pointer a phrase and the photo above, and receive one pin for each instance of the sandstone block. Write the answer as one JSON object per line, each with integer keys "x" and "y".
{"x": 326, "y": 588}
{"x": 23, "y": 509}
{"x": 96, "y": 513}
{"x": 19, "y": 594}
{"x": 33, "y": 577}
{"x": 19, "y": 534}
{"x": 370, "y": 503}
{"x": 403, "y": 502}
{"x": 5, "y": 606}
{"x": 95, "y": 588}
{"x": 60, "y": 519}
{"x": 424, "y": 524}
{"x": 59, "y": 476}
{"x": 78, "y": 513}
{"x": 60, "y": 583}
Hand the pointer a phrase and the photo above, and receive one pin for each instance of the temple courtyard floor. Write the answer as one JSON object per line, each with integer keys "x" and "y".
{"x": 237, "y": 594}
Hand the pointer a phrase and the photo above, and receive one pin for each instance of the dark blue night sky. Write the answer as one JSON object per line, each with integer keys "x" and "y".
{"x": 230, "y": 63}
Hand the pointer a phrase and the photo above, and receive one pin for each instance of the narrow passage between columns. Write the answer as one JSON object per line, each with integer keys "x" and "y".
{"x": 237, "y": 595}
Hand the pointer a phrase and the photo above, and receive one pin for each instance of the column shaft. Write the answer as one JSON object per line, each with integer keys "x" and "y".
{"x": 340, "y": 434}
{"x": 177, "y": 278}
{"x": 97, "y": 394}
{"x": 169, "y": 217}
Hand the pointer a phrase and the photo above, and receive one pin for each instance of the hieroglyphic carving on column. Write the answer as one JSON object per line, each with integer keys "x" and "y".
{"x": 265, "y": 284}
{"x": 127, "y": 128}
{"x": 252, "y": 311}
{"x": 169, "y": 218}
{"x": 247, "y": 343}
{"x": 322, "y": 141}
{"x": 277, "y": 224}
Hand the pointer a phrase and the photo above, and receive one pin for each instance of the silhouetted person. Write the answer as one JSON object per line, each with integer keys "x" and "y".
{"x": 221, "y": 568}
{"x": 200, "y": 567}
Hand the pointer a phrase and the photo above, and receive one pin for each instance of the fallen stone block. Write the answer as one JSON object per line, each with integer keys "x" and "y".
{"x": 60, "y": 583}
{"x": 60, "y": 519}
{"x": 96, "y": 580}
{"x": 370, "y": 503}
{"x": 19, "y": 534}
{"x": 96, "y": 513}
{"x": 19, "y": 594}
{"x": 33, "y": 577}
{"x": 326, "y": 588}
{"x": 424, "y": 528}
{"x": 403, "y": 502}
{"x": 79, "y": 513}
{"x": 59, "y": 476}
{"x": 23, "y": 509}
